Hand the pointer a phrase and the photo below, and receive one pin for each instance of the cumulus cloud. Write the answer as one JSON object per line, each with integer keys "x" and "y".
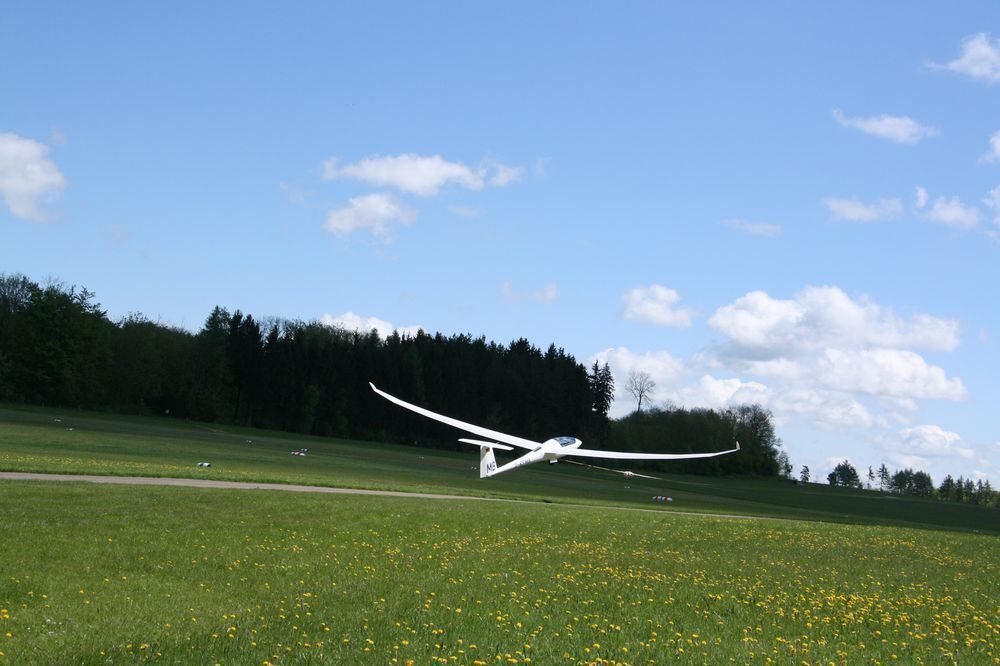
{"x": 888, "y": 372}
{"x": 825, "y": 355}
{"x": 420, "y": 175}
{"x": 953, "y": 213}
{"x": 27, "y": 176}
{"x": 921, "y": 197}
{"x": 666, "y": 370}
{"x": 896, "y": 374}
{"x": 853, "y": 210}
{"x": 655, "y": 305}
{"x": 374, "y": 212}
{"x": 828, "y": 409}
{"x": 933, "y": 440}
{"x": 754, "y": 228}
{"x": 713, "y": 393}
{"x": 761, "y": 327}
{"x": 980, "y": 59}
{"x": 900, "y": 129}
{"x": 994, "y": 152}
{"x": 925, "y": 446}
{"x": 354, "y": 322}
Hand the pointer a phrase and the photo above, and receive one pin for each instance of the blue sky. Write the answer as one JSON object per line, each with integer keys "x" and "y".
{"x": 793, "y": 204}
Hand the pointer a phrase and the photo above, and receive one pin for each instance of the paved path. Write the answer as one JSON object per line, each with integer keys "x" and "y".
{"x": 243, "y": 485}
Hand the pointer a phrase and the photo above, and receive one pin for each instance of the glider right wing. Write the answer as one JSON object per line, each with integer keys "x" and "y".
{"x": 461, "y": 425}
{"x": 626, "y": 455}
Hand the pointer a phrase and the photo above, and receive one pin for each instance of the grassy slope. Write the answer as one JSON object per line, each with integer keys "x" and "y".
{"x": 32, "y": 440}
{"x": 112, "y": 574}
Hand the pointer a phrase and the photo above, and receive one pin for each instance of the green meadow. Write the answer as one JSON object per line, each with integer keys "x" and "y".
{"x": 70, "y": 441}
{"x": 122, "y": 574}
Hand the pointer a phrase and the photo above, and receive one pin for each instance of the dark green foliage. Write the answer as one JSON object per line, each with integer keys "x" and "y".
{"x": 908, "y": 482}
{"x": 57, "y": 347}
{"x": 963, "y": 490}
{"x": 845, "y": 475}
{"x": 54, "y": 344}
{"x": 657, "y": 430}
{"x": 883, "y": 477}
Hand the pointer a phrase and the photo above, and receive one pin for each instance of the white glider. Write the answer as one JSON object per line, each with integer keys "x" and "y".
{"x": 550, "y": 450}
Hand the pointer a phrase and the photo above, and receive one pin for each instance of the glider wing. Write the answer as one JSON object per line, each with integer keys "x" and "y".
{"x": 625, "y": 455}
{"x": 461, "y": 425}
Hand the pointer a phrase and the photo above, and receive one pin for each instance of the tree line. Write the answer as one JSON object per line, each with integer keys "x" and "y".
{"x": 58, "y": 348}
{"x": 913, "y": 482}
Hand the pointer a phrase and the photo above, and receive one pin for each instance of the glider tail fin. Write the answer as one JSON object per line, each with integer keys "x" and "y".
{"x": 487, "y": 463}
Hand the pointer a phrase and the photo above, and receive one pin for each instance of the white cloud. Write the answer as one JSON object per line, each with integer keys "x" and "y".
{"x": 505, "y": 175}
{"x": 954, "y": 213}
{"x": 933, "y": 440}
{"x": 754, "y": 228}
{"x": 27, "y": 176}
{"x": 887, "y": 372}
{"x": 992, "y": 200}
{"x": 547, "y": 294}
{"x": 354, "y": 322}
{"x": 375, "y": 212}
{"x": 994, "y": 153}
{"x": 760, "y": 327}
{"x": 928, "y": 447}
{"x": 666, "y": 370}
{"x": 897, "y": 376}
{"x": 828, "y": 409}
{"x": 713, "y": 393}
{"x": 856, "y": 211}
{"x": 420, "y": 175}
{"x": 655, "y": 305}
{"x": 980, "y": 59}
{"x": 921, "y": 197}
{"x": 824, "y": 354}
{"x": 900, "y": 129}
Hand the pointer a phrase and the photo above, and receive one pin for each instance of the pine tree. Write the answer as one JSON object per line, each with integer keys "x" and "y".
{"x": 804, "y": 474}
{"x": 883, "y": 477}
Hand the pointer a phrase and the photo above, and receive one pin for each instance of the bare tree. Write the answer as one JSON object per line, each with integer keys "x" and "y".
{"x": 640, "y": 385}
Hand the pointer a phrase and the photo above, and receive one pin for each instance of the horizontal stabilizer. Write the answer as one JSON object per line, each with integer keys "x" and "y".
{"x": 491, "y": 445}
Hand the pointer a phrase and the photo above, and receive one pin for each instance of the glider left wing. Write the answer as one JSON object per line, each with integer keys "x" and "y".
{"x": 461, "y": 425}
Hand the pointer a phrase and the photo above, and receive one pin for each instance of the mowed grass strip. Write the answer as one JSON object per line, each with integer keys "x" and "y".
{"x": 97, "y": 574}
{"x": 70, "y": 441}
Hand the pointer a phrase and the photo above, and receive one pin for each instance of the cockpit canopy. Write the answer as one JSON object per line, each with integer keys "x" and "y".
{"x": 565, "y": 441}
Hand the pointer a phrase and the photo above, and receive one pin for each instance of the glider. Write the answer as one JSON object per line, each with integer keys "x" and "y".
{"x": 550, "y": 450}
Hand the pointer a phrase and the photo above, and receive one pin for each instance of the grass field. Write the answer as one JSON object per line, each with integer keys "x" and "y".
{"x": 96, "y": 574}
{"x": 32, "y": 440}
